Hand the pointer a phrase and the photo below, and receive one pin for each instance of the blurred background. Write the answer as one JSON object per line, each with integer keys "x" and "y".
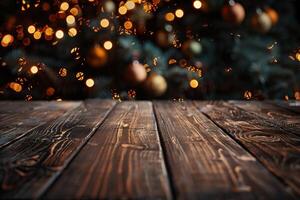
{"x": 148, "y": 49}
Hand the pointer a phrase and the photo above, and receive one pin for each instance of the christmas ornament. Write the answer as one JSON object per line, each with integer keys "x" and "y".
{"x": 261, "y": 22}
{"x": 155, "y": 85}
{"x": 192, "y": 47}
{"x": 97, "y": 57}
{"x": 109, "y": 6}
{"x": 233, "y": 13}
{"x": 273, "y": 15}
{"x": 135, "y": 73}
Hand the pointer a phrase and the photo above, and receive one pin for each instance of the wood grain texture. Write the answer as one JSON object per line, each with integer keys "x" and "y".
{"x": 19, "y": 118}
{"x": 30, "y": 164}
{"x": 278, "y": 116}
{"x": 205, "y": 163}
{"x": 123, "y": 160}
{"x": 293, "y": 106}
{"x": 277, "y": 149}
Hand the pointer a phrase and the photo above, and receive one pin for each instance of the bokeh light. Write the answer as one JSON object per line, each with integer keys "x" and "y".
{"x": 89, "y": 82}
{"x": 34, "y": 69}
{"x": 194, "y": 83}
{"x": 104, "y": 23}
{"x": 108, "y": 45}
{"x": 59, "y": 34}
{"x": 197, "y": 4}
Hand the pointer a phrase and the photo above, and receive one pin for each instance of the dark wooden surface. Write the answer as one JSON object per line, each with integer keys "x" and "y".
{"x": 102, "y": 149}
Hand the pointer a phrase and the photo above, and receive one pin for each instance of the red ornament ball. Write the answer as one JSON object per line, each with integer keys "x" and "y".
{"x": 234, "y": 13}
{"x": 273, "y": 15}
{"x": 97, "y": 57}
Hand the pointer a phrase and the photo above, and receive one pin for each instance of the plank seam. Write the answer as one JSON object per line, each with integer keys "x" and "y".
{"x": 68, "y": 161}
{"x": 21, "y": 136}
{"x": 164, "y": 156}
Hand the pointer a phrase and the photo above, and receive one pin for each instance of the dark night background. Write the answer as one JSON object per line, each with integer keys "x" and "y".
{"x": 215, "y": 49}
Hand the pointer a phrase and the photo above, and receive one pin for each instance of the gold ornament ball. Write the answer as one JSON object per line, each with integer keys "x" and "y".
{"x": 97, "y": 57}
{"x": 234, "y": 13}
{"x": 192, "y": 47}
{"x": 273, "y": 15}
{"x": 261, "y": 22}
{"x": 109, "y": 6}
{"x": 135, "y": 73}
{"x": 156, "y": 85}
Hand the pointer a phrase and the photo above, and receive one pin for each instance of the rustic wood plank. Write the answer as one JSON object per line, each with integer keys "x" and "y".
{"x": 123, "y": 160}
{"x": 17, "y": 106}
{"x": 289, "y": 105}
{"x": 20, "y": 118}
{"x": 205, "y": 163}
{"x": 30, "y": 164}
{"x": 278, "y": 116}
{"x": 277, "y": 149}
{"x": 8, "y": 109}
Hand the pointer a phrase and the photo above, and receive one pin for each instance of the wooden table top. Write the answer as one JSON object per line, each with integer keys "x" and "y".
{"x": 103, "y": 149}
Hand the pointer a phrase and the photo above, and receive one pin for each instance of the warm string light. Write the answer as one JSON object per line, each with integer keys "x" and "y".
{"x": 34, "y": 69}
{"x": 70, "y": 20}
{"x": 72, "y": 32}
{"x": 59, "y": 34}
{"x": 194, "y": 83}
{"x": 80, "y": 76}
{"x": 197, "y": 4}
{"x": 63, "y": 72}
{"x": 104, "y": 23}
{"x": 128, "y": 25}
{"x": 49, "y": 31}
{"x": 37, "y": 35}
{"x": 31, "y": 29}
{"x": 169, "y": 17}
{"x": 179, "y": 13}
{"x": 64, "y": 6}
{"x": 130, "y": 5}
{"x": 89, "y": 83}
{"x": 247, "y": 94}
{"x": 108, "y": 45}
{"x": 122, "y": 10}
{"x": 74, "y": 11}
{"x": 7, "y": 40}
{"x": 298, "y": 56}
{"x": 15, "y": 86}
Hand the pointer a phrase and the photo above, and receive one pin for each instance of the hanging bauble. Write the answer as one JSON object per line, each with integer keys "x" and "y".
{"x": 233, "y": 13}
{"x": 109, "y": 6}
{"x": 261, "y": 22}
{"x": 273, "y": 15}
{"x": 135, "y": 73}
{"x": 155, "y": 85}
{"x": 97, "y": 57}
{"x": 192, "y": 47}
